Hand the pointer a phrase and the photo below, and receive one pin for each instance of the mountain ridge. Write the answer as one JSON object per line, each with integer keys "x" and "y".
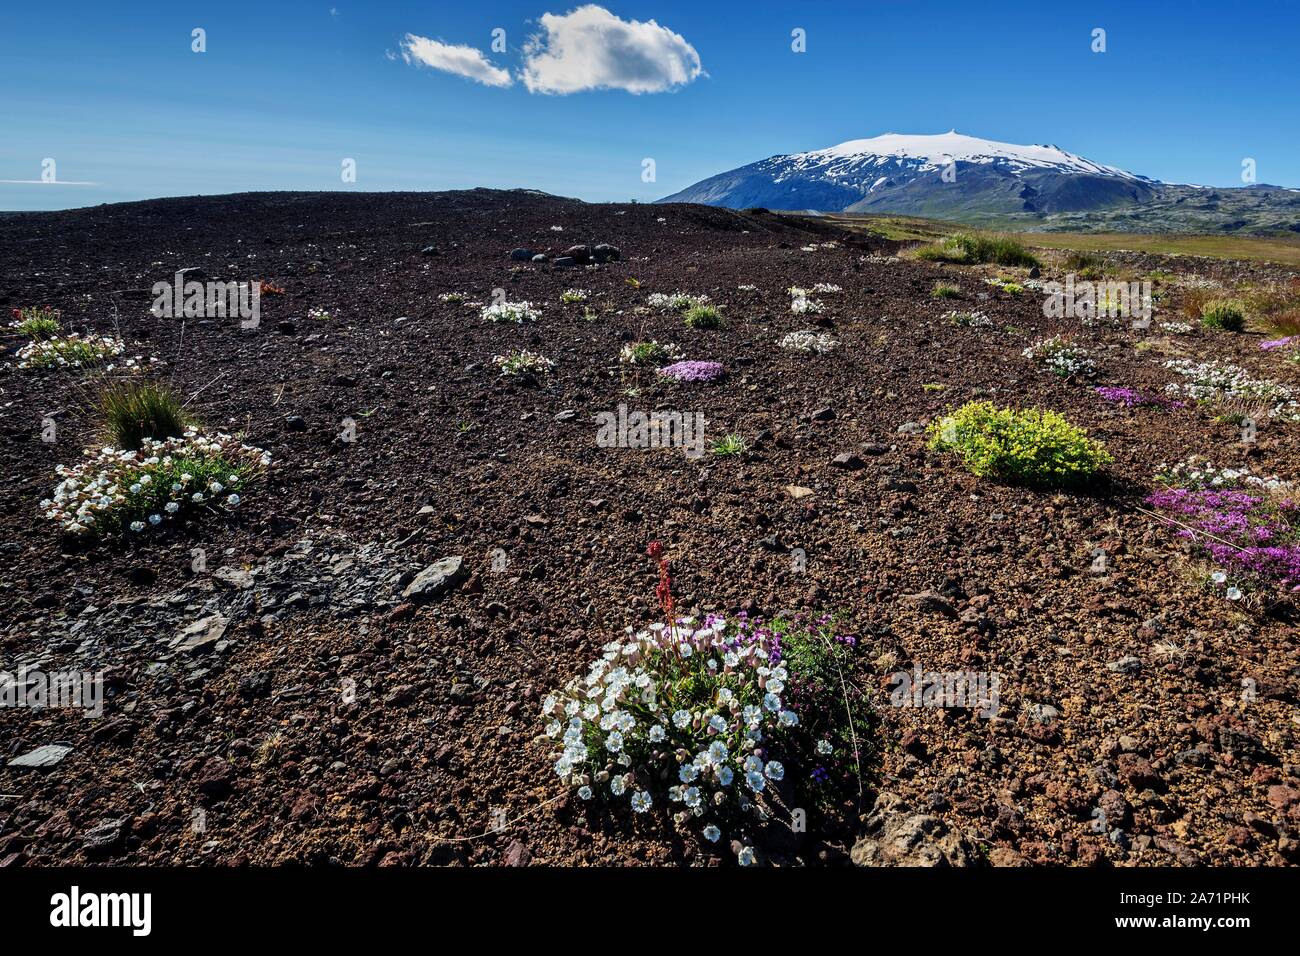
{"x": 969, "y": 179}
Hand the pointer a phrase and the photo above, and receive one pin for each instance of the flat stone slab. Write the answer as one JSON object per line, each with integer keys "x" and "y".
{"x": 436, "y": 579}
{"x": 46, "y": 756}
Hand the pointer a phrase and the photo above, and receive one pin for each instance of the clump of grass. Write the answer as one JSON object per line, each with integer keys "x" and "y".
{"x": 1229, "y": 315}
{"x": 933, "y": 387}
{"x": 729, "y": 445}
{"x": 134, "y": 410}
{"x": 1085, "y": 265}
{"x": 1285, "y": 323}
{"x": 1194, "y": 300}
{"x": 36, "y": 322}
{"x": 1270, "y": 299}
{"x": 944, "y": 291}
{"x": 703, "y": 317}
{"x": 1029, "y": 446}
{"x": 1005, "y": 284}
{"x": 978, "y": 247}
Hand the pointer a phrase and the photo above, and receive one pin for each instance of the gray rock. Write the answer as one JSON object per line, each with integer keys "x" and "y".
{"x": 931, "y": 600}
{"x": 565, "y": 262}
{"x": 1125, "y": 665}
{"x": 429, "y": 251}
{"x": 521, "y": 255}
{"x": 910, "y": 428}
{"x": 102, "y": 836}
{"x": 895, "y": 836}
{"x": 46, "y": 756}
{"x": 604, "y": 252}
{"x": 436, "y": 579}
{"x": 847, "y": 461}
{"x": 202, "y": 635}
{"x": 1043, "y": 713}
{"x": 237, "y": 578}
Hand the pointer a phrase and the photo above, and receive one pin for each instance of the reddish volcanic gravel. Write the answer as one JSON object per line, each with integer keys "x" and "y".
{"x": 314, "y": 716}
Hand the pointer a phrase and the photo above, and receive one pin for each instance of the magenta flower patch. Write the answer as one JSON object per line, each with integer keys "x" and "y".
{"x": 691, "y": 371}
{"x": 1131, "y": 398}
{"x": 1256, "y": 533}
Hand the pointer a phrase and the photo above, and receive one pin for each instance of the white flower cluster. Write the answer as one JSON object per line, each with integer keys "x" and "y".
{"x": 684, "y": 714}
{"x": 159, "y": 480}
{"x": 807, "y": 340}
{"x": 1176, "y": 328}
{"x": 675, "y": 301}
{"x": 973, "y": 320}
{"x": 516, "y": 312}
{"x": 1198, "y": 472}
{"x": 522, "y": 362}
{"x": 648, "y": 353}
{"x": 70, "y": 351}
{"x": 455, "y": 298}
{"x": 1061, "y": 357}
{"x": 1215, "y": 381}
{"x": 801, "y": 304}
{"x": 574, "y": 295}
{"x": 322, "y": 315}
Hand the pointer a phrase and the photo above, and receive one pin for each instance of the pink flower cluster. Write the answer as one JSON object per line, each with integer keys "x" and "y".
{"x": 1254, "y": 533}
{"x": 1131, "y": 397}
{"x": 692, "y": 371}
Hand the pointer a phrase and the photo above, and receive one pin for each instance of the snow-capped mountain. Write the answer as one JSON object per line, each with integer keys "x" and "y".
{"x": 948, "y": 175}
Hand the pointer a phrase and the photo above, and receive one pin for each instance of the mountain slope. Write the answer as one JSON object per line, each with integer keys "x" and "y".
{"x": 950, "y": 175}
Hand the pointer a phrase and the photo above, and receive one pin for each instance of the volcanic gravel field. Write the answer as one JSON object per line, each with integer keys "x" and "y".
{"x": 284, "y": 704}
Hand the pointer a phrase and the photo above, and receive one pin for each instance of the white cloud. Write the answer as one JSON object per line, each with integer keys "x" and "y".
{"x": 462, "y": 60}
{"x": 591, "y": 49}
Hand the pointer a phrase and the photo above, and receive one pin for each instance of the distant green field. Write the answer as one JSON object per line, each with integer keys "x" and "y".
{"x": 1285, "y": 251}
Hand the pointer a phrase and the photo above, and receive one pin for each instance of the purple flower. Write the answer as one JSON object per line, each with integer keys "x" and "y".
{"x": 1279, "y": 343}
{"x": 1132, "y": 397}
{"x": 1239, "y": 530}
{"x": 692, "y": 371}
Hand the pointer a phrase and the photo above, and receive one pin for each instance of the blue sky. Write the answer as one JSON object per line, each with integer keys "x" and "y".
{"x": 287, "y": 90}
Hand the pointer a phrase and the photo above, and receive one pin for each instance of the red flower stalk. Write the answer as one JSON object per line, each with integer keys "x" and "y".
{"x": 664, "y": 590}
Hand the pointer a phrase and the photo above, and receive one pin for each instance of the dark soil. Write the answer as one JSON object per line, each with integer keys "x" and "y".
{"x": 331, "y": 722}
